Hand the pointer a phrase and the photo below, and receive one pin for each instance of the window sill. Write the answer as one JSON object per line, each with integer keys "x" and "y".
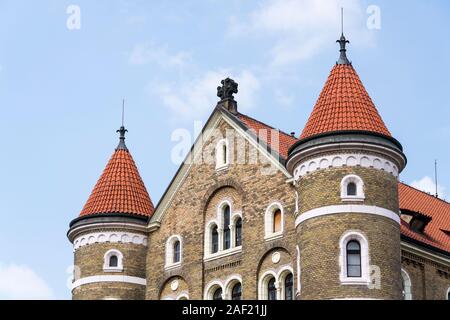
{"x": 172, "y": 266}
{"x": 355, "y": 199}
{"x": 222, "y": 254}
{"x": 113, "y": 269}
{"x": 355, "y": 281}
{"x": 222, "y": 168}
{"x": 273, "y": 236}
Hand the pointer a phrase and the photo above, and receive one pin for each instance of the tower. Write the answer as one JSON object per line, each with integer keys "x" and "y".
{"x": 109, "y": 237}
{"x": 345, "y": 167}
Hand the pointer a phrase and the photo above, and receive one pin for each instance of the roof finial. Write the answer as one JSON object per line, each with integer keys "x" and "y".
{"x": 122, "y": 131}
{"x": 343, "y": 41}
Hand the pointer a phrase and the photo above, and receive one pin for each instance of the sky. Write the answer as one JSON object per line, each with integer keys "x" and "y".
{"x": 65, "y": 67}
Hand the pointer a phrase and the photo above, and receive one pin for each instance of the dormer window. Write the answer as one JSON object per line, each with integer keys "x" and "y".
{"x": 352, "y": 188}
{"x": 222, "y": 154}
{"x": 416, "y": 220}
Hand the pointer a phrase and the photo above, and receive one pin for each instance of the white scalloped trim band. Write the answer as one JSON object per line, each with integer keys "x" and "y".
{"x": 115, "y": 278}
{"x": 109, "y": 236}
{"x": 348, "y": 160}
{"x": 349, "y": 208}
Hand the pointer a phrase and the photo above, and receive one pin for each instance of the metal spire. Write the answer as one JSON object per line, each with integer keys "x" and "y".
{"x": 343, "y": 42}
{"x": 122, "y": 131}
{"x": 436, "y": 178}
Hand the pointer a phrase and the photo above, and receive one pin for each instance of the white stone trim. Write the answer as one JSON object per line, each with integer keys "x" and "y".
{"x": 347, "y": 208}
{"x": 110, "y": 237}
{"x": 446, "y": 293}
{"x": 407, "y": 285}
{"x": 169, "y": 263}
{"x": 351, "y": 178}
{"x": 108, "y": 278}
{"x": 211, "y": 288}
{"x": 220, "y": 165}
{"x": 222, "y": 254}
{"x": 347, "y": 160}
{"x": 106, "y": 258}
{"x": 365, "y": 263}
{"x": 299, "y": 272}
{"x": 269, "y": 221}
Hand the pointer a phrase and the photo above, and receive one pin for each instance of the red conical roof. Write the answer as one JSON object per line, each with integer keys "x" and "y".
{"x": 344, "y": 105}
{"x": 120, "y": 189}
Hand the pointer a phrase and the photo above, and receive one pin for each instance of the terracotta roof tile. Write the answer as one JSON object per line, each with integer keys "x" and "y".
{"x": 119, "y": 189}
{"x": 344, "y": 104}
{"x": 439, "y": 211}
{"x": 285, "y": 140}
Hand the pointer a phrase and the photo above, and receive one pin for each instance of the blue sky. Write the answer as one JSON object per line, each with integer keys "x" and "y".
{"x": 61, "y": 93}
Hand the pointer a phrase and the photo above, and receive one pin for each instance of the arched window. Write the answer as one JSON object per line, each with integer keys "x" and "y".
{"x": 353, "y": 259}
{"x": 277, "y": 221}
{"x": 289, "y": 287}
{"x": 236, "y": 292}
{"x": 238, "y": 233}
{"x": 214, "y": 240}
{"x": 271, "y": 289}
{"x": 351, "y": 189}
{"x": 217, "y": 295}
{"x": 448, "y": 294}
{"x": 222, "y": 154}
{"x": 273, "y": 221}
{"x": 176, "y": 251}
{"x": 113, "y": 261}
{"x": 226, "y": 227}
{"x": 406, "y": 286}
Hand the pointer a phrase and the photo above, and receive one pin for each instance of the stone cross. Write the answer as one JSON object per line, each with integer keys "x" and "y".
{"x": 228, "y": 88}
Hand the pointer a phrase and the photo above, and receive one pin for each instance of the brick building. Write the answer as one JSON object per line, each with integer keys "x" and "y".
{"x": 255, "y": 213}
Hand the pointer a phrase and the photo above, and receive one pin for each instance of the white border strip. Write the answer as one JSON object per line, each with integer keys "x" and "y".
{"x": 115, "y": 278}
{"x": 109, "y": 236}
{"x": 350, "y": 208}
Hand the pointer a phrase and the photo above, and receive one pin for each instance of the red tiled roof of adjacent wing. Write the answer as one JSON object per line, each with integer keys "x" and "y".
{"x": 436, "y": 232}
{"x": 120, "y": 189}
{"x": 344, "y": 105}
{"x": 285, "y": 140}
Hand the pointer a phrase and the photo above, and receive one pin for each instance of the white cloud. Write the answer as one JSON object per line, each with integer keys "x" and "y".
{"x": 194, "y": 98}
{"x": 427, "y": 184}
{"x": 145, "y": 53}
{"x": 299, "y": 29}
{"x": 21, "y": 282}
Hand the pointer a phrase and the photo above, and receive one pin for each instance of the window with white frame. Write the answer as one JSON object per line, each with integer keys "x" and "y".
{"x": 223, "y": 235}
{"x": 274, "y": 221}
{"x": 174, "y": 251}
{"x": 277, "y": 285}
{"x": 352, "y": 188}
{"x": 406, "y": 286}
{"x": 222, "y": 154}
{"x": 230, "y": 289}
{"x": 448, "y": 294}
{"x": 113, "y": 261}
{"x": 354, "y": 259}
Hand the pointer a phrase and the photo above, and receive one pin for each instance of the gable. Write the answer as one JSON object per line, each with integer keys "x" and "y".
{"x": 266, "y": 155}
